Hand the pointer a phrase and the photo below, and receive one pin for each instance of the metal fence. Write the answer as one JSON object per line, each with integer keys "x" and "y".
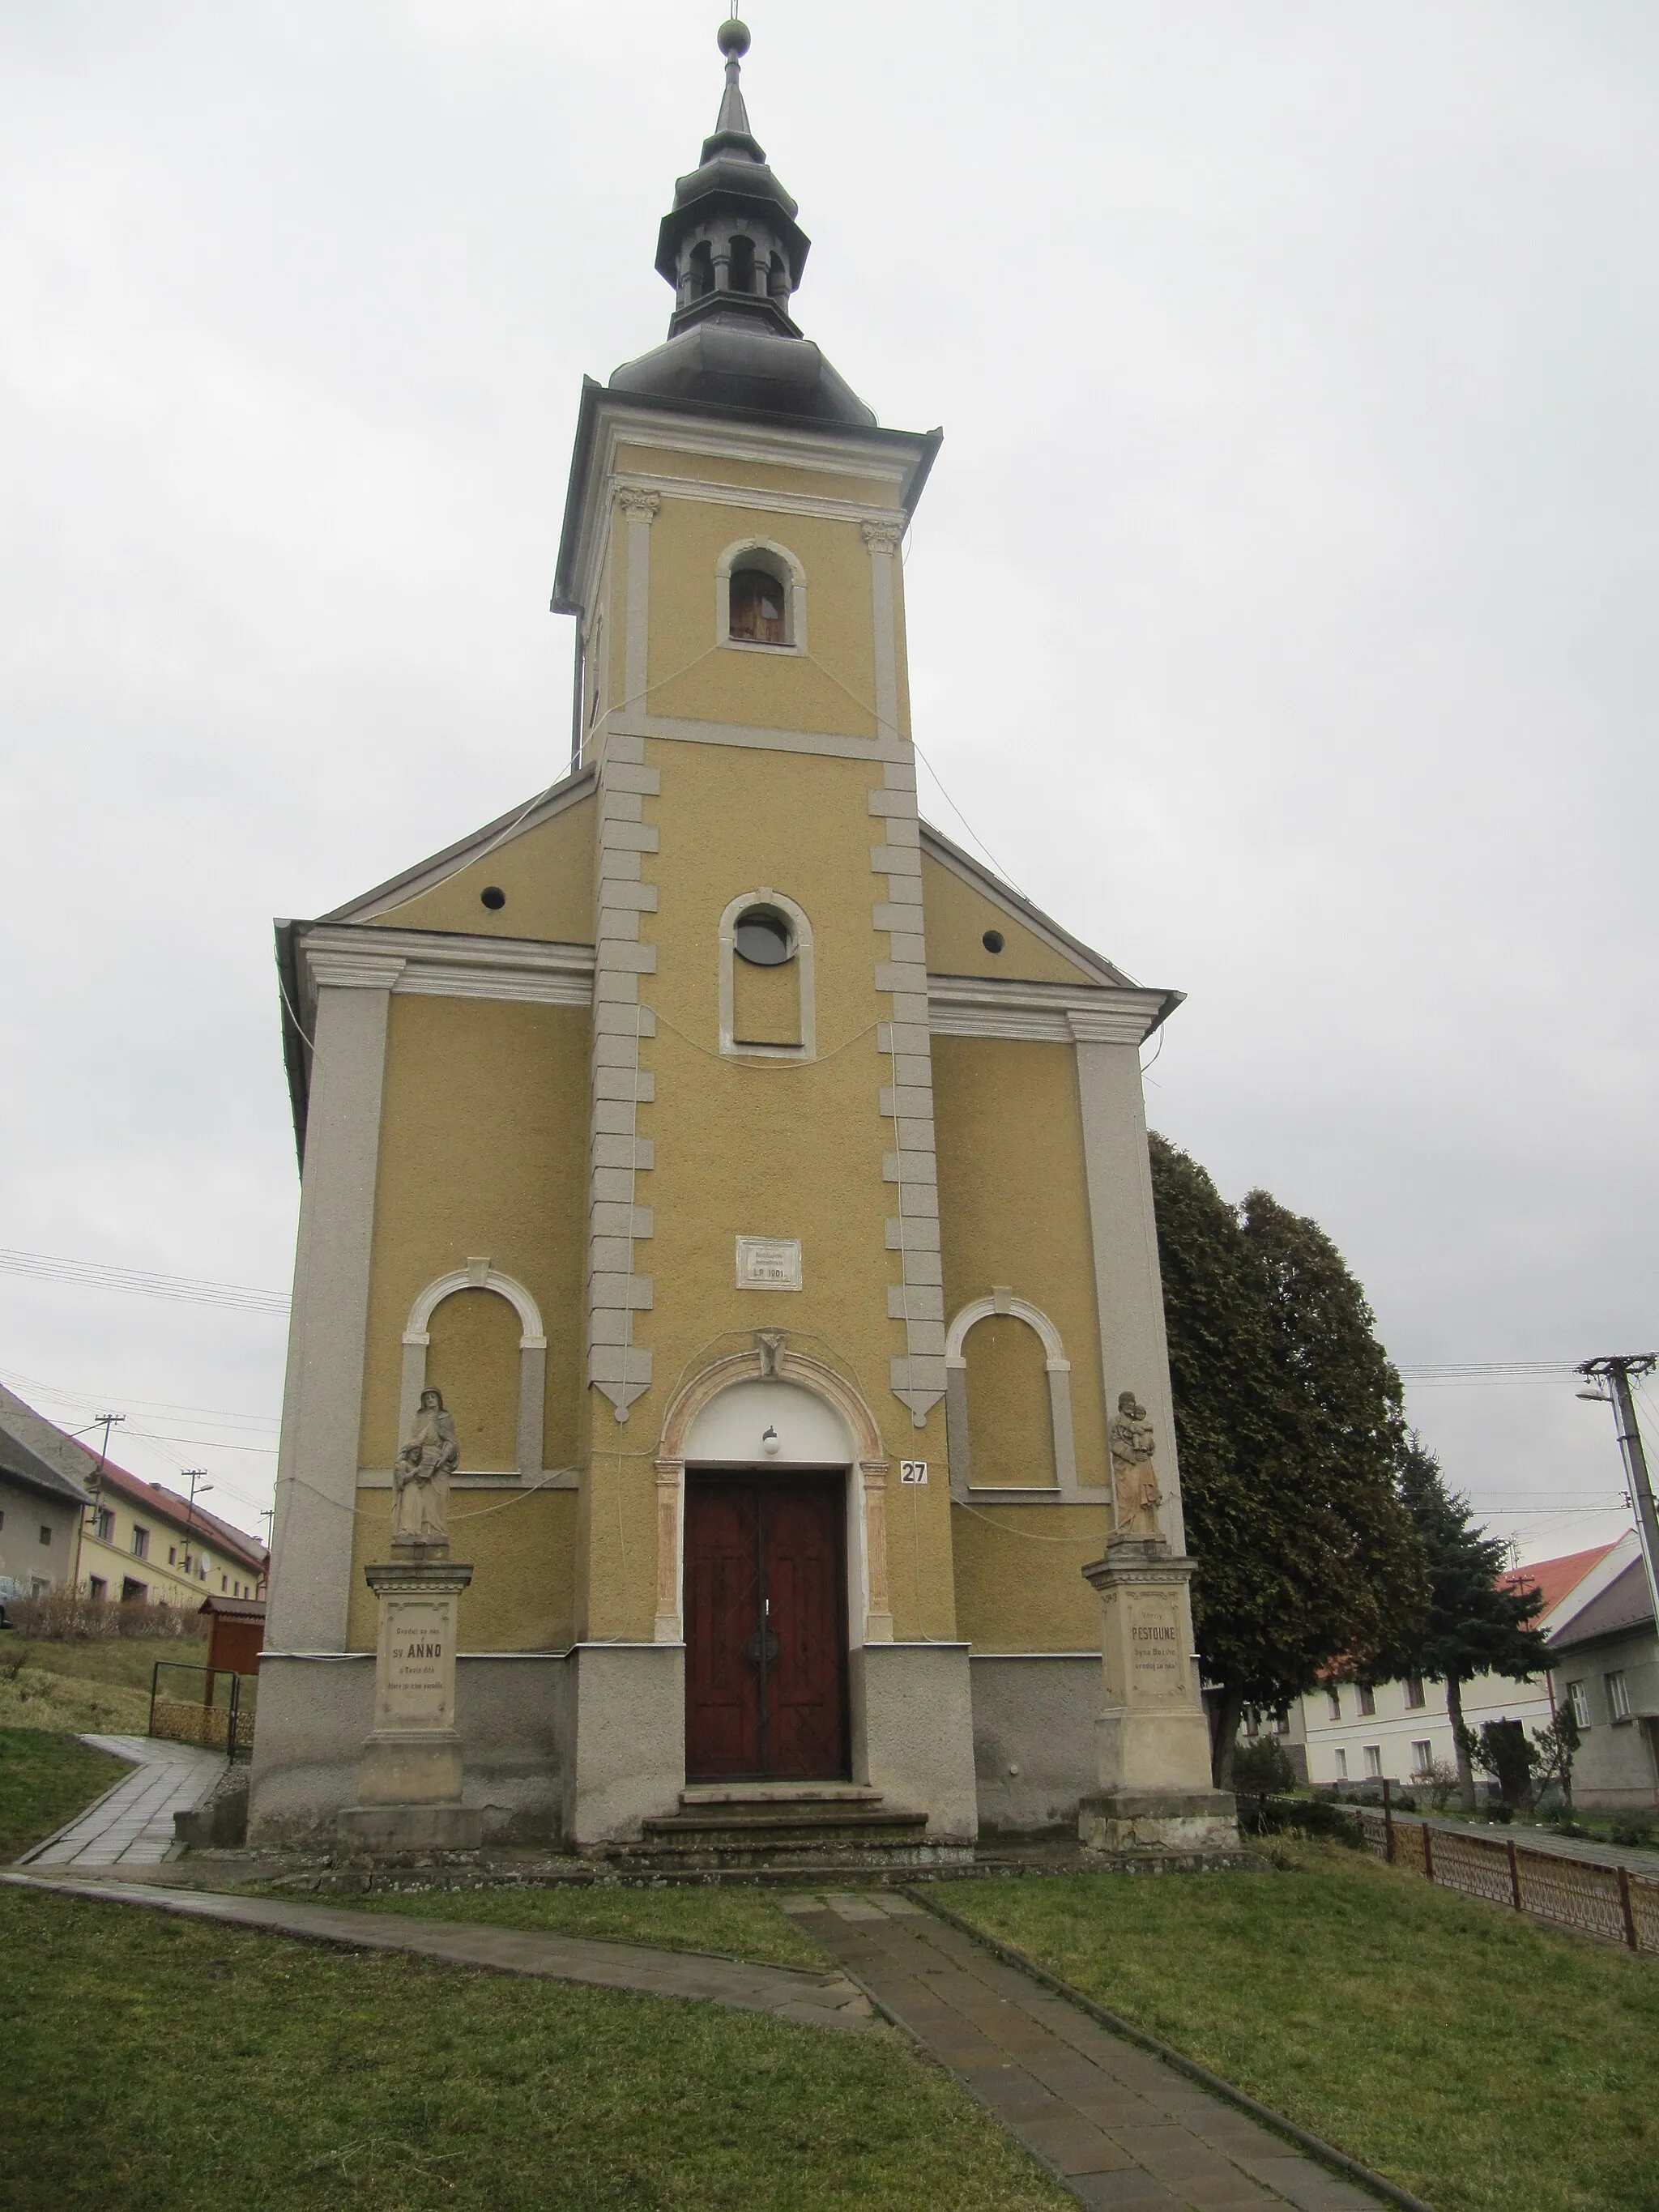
{"x": 209, "y": 1705}
{"x": 1606, "y": 1901}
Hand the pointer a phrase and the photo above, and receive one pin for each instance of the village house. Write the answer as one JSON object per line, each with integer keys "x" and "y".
{"x": 1358, "y": 1732}
{"x": 134, "y": 1540}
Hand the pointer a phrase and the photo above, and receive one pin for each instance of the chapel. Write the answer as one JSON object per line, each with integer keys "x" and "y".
{"x": 737, "y": 1193}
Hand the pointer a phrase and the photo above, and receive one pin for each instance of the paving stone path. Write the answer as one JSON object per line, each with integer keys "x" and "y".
{"x": 131, "y": 1825}
{"x": 817, "y": 2000}
{"x": 1119, "y": 2127}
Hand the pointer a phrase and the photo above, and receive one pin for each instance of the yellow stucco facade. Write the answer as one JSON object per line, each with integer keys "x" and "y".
{"x": 717, "y": 1122}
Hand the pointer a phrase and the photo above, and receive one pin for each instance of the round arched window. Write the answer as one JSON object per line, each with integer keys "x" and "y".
{"x": 757, "y": 608}
{"x": 762, "y": 938}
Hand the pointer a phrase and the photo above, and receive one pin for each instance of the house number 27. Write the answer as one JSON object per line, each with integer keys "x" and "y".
{"x": 913, "y": 1472}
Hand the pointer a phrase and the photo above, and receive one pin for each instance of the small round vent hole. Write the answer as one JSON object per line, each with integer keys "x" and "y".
{"x": 493, "y": 896}
{"x": 992, "y": 940}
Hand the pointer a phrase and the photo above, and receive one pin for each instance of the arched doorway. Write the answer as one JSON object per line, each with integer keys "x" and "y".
{"x": 770, "y": 1571}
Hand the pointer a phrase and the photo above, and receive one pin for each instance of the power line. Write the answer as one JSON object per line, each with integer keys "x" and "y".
{"x": 84, "y": 1398}
{"x": 95, "y": 1274}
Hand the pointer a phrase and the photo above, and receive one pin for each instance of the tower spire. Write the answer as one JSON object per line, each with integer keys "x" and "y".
{"x": 733, "y": 121}
{"x": 733, "y": 252}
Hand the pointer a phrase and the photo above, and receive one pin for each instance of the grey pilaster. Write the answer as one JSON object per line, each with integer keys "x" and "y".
{"x": 1128, "y": 1288}
{"x": 322, "y": 1400}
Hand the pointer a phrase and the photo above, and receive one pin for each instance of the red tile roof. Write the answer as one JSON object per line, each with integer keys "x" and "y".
{"x": 1555, "y": 1577}
{"x": 167, "y": 1505}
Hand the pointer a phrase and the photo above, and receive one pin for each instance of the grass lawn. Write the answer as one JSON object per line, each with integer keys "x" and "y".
{"x": 1479, "y": 2060}
{"x": 101, "y": 1685}
{"x": 323, "y": 2082}
{"x": 45, "y": 1780}
{"x": 733, "y": 1922}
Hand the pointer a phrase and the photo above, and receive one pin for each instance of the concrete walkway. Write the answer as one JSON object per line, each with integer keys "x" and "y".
{"x": 817, "y": 2000}
{"x": 132, "y": 1825}
{"x": 1119, "y": 2127}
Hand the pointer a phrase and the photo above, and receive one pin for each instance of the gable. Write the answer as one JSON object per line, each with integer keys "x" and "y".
{"x": 543, "y": 860}
{"x": 962, "y": 900}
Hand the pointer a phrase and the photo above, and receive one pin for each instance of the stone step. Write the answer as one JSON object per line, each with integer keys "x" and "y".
{"x": 731, "y": 1854}
{"x": 804, "y": 1816}
{"x": 778, "y": 1793}
{"x": 829, "y": 1827}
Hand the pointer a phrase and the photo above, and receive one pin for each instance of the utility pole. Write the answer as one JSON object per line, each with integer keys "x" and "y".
{"x": 199, "y": 1486}
{"x": 109, "y": 1421}
{"x": 1615, "y": 1368}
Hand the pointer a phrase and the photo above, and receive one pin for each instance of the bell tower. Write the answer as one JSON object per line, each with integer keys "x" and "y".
{"x": 761, "y": 1147}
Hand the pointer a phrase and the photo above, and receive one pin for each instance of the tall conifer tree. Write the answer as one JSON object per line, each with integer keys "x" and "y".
{"x": 1287, "y": 1419}
{"x": 1476, "y": 1622}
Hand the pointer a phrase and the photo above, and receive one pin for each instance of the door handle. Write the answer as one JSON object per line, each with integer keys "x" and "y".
{"x": 763, "y": 1648}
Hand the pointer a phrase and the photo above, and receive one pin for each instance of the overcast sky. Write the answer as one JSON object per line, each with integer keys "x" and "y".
{"x": 1281, "y": 607}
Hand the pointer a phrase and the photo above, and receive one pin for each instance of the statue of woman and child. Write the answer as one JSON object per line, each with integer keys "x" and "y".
{"x": 420, "y": 1480}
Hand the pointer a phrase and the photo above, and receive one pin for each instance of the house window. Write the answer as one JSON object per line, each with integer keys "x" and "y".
{"x": 759, "y": 608}
{"x": 133, "y": 1593}
{"x": 1617, "y": 1696}
{"x": 46, "y": 1533}
{"x": 1341, "y": 1765}
{"x": 1422, "y": 1757}
{"x": 1334, "y": 1703}
{"x": 1373, "y": 1762}
{"x": 103, "y": 1524}
{"x": 140, "y": 1542}
{"x": 1579, "y": 1704}
{"x": 3, "y": 1518}
{"x": 97, "y": 1588}
{"x": 172, "y": 1555}
{"x": 1414, "y": 1690}
{"x": 224, "y": 1582}
{"x": 1367, "y": 1701}
{"x": 38, "y": 1586}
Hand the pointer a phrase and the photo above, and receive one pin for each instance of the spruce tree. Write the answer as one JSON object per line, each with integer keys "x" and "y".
{"x": 1476, "y": 1623}
{"x": 1287, "y": 1421}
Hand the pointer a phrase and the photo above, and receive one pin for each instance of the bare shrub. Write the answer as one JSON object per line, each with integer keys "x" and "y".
{"x": 66, "y": 1616}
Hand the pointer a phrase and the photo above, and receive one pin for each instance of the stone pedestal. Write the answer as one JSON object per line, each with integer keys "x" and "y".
{"x": 1152, "y": 1738}
{"x": 409, "y": 1776}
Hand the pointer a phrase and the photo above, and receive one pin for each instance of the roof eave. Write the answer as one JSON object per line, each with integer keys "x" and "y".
{"x": 924, "y": 445}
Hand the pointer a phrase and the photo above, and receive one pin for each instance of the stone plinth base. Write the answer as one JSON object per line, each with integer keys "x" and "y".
{"x": 409, "y": 1774}
{"x": 411, "y": 1827}
{"x": 399, "y": 1767}
{"x": 1152, "y": 1739}
{"x": 1173, "y": 1821}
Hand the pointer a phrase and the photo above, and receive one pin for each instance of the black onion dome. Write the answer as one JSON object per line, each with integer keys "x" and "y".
{"x": 734, "y": 251}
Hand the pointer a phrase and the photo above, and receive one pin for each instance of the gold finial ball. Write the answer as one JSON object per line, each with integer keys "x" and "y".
{"x": 732, "y": 38}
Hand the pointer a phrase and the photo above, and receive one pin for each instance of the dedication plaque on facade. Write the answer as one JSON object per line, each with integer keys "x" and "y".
{"x": 768, "y": 1263}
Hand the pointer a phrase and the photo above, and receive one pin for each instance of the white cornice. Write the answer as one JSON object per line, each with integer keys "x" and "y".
{"x": 844, "y": 456}
{"x": 754, "y": 736}
{"x": 776, "y": 502}
{"x": 423, "y": 963}
{"x": 1042, "y": 1013}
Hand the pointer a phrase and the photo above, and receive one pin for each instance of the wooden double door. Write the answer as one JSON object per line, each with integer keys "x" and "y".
{"x": 765, "y": 1628}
